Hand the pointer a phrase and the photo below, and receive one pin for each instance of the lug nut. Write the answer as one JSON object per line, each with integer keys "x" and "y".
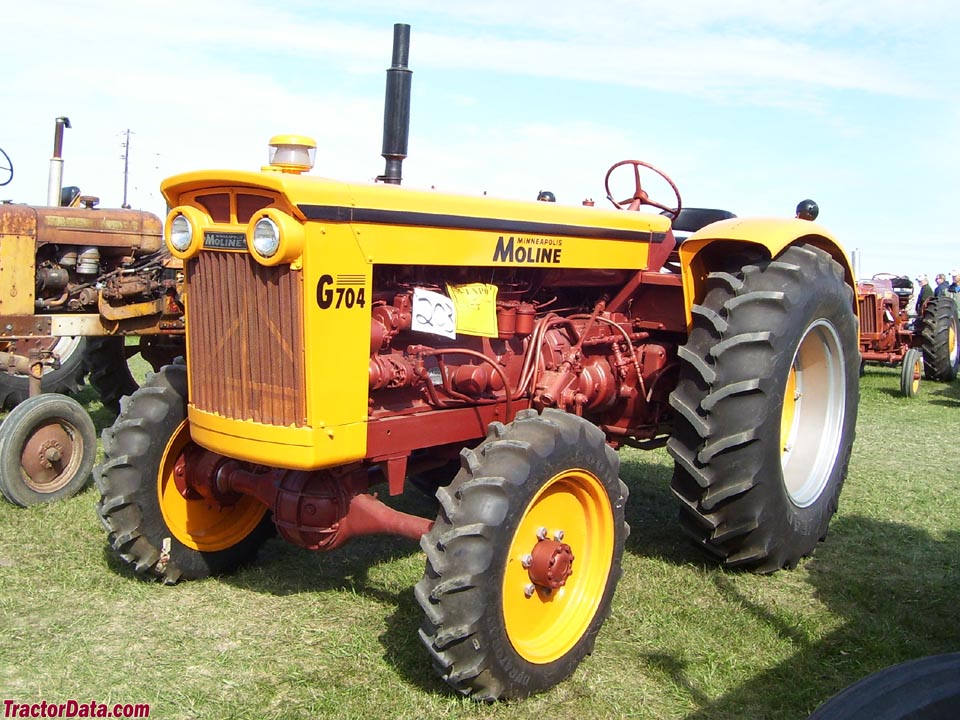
{"x": 529, "y": 590}
{"x": 558, "y": 535}
{"x": 541, "y": 533}
{"x": 526, "y": 560}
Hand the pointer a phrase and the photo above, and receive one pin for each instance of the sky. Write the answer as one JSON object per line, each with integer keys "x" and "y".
{"x": 747, "y": 105}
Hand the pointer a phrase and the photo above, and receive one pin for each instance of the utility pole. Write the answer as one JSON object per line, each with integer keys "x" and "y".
{"x": 126, "y": 168}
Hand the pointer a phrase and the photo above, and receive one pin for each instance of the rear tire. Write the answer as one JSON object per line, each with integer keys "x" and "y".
{"x": 64, "y": 380}
{"x": 911, "y": 370}
{"x": 105, "y": 360}
{"x": 494, "y": 626}
{"x": 766, "y": 408}
{"x": 941, "y": 350}
{"x": 153, "y": 527}
{"x": 48, "y": 444}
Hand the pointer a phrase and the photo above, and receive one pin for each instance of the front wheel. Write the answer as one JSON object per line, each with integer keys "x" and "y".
{"x": 524, "y": 557}
{"x": 47, "y": 447}
{"x": 155, "y": 526}
{"x": 766, "y": 408}
{"x": 910, "y": 373}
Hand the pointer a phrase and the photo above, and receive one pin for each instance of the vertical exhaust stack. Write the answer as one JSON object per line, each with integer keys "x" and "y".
{"x": 55, "y": 181}
{"x": 396, "y": 107}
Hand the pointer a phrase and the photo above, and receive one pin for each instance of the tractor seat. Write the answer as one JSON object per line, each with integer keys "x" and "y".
{"x": 692, "y": 219}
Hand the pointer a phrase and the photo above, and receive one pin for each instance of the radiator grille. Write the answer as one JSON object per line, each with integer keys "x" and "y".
{"x": 868, "y": 320}
{"x": 245, "y": 328}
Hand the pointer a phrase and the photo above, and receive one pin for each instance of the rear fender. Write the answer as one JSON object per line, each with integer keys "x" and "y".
{"x": 730, "y": 244}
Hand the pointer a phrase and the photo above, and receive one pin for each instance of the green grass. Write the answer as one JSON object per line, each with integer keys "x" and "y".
{"x": 303, "y": 635}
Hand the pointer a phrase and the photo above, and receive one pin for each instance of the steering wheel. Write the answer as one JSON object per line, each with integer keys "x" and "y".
{"x": 6, "y": 169}
{"x": 640, "y": 196}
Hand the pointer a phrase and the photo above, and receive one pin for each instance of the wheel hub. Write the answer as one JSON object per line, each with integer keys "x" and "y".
{"x": 551, "y": 563}
{"x": 45, "y": 456}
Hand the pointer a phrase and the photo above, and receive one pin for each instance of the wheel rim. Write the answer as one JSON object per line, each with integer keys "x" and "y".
{"x": 915, "y": 378}
{"x": 199, "y": 523}
{"x": 812, "y": 419}
{"x": 51, "y": 456}
{"x": 952, "y": 348}
{"x": 543, "y": 624}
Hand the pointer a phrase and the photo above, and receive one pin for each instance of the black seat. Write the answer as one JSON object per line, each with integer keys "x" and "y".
{"x": 692, "y": 219}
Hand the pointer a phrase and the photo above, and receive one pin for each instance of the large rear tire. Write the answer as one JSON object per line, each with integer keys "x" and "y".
{"x": 941, "y": 350}
{"x": 151, "y": 524}
{"x": 538, "y": 498}
{"x": 766, "y": 409}
{"x": 105, "y": 360}
{"x": 64, "y": 380}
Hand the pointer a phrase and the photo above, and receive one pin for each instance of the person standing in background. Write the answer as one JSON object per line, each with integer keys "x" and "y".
{"x": 942, "y": 285}
{"x": 923, "y": 294}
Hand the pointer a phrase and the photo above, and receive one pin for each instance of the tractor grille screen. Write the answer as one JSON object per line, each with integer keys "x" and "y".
{"x": 245, "y": 332}
{"x": 868, "y": 320}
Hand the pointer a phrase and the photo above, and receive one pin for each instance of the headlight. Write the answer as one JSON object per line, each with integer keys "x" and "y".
{"x": 266, "y": 237}
{"x": 275, "y": 238}
{"x": 181, "y": 233}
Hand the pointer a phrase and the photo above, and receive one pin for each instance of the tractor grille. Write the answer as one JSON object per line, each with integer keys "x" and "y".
{"x": 245, "y": 331}
{"x": 868, "y": 315}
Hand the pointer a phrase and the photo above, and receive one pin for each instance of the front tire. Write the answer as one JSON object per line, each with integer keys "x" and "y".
{"x": 155, "y": 528}
{"x": 766, "y": 409}
{"x": 48, "y": 444}
{"x": 941, "y": 351}
{"x": 911, "y": 370}
{"x": 539, "y": 498}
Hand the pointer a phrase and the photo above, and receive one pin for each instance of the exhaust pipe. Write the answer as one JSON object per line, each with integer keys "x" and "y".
{"x": 55, "y": 182}
{"x": 396, "y": 107}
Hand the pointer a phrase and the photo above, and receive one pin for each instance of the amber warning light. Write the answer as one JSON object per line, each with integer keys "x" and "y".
{"x": 292, "y": 153}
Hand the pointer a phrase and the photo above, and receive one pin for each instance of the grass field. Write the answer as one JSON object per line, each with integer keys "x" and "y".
{"x": 302, "y": 635}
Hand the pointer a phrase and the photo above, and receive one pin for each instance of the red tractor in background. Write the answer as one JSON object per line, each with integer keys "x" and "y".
{"x": 924, "y": 346}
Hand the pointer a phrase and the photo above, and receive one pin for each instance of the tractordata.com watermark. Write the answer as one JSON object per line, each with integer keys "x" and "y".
{"x": 74, "y": 709}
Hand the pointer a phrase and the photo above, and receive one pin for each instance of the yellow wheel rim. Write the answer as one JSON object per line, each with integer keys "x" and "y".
{"x": 917, "y": 372}
{"x": 789, "y": 410}
{"x": 201, "y": 524}
{"x": 544, "y": 625}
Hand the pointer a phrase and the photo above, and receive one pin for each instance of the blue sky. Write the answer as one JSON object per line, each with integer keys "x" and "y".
{"x": 748, "y": 105}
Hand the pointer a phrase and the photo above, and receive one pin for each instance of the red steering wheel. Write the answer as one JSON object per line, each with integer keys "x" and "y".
{"x": 640, "y": 196}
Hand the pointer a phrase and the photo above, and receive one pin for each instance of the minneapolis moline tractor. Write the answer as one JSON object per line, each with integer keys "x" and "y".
{"x": 75, "y": 280}
{"x": 340, "y": 335}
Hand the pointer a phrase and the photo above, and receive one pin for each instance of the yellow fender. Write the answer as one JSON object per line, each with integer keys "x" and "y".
{"x": 704, "y": 251}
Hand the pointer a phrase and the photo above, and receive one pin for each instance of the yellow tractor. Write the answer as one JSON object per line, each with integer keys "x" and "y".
{"x": 341, "y": 335}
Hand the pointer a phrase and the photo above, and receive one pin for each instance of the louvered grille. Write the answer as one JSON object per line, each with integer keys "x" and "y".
{"x": 245, "y": 328}
{"x": 868, "y": 319}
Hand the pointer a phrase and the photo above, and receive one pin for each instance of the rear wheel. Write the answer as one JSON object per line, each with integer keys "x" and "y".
{"x": 105, "y": 360}
{"x": 766, "y": 409}
{"x": 941, "y": 351}
{"x": 47, "y": 447}
{"x": 910, "y": 372}
{"x": 524, "y": 557}
{"x": 155, "y": 527}
{"x": 65, "y": 379}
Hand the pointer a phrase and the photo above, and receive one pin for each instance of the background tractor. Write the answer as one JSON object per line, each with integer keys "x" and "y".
{"x": 343, "y": 335}
{"x": 922, "y": 346}
{"x": 75, "y": 281}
